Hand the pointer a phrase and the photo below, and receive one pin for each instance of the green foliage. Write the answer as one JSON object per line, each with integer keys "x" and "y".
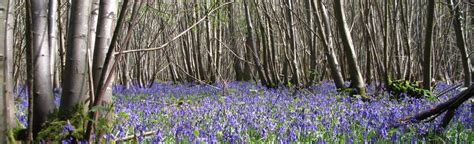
{"x": 409, "y": 88}
{"x": 53, "y": 128}
{"x": 11, "y": 133}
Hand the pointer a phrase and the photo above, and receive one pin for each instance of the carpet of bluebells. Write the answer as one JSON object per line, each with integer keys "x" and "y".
{"x": 243, "y": 112}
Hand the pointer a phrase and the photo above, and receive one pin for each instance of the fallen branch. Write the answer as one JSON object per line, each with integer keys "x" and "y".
{"x": 450, "y": 105}
{"x": 130, "y": 137}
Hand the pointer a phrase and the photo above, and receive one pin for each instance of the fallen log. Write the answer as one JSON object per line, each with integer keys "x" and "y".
{"x": 451, "y": 105}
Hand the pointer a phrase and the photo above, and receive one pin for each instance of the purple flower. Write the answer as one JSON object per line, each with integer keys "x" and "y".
{"x": 68, "y": 128}
{"x": 158, "y": 137}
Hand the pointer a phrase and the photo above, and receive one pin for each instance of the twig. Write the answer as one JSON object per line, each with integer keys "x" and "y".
{"x": 233, "y": 53}
{"x": 448, "y": 90}
{"x": 129, "y": 137}
{"x": 200, "y": 81}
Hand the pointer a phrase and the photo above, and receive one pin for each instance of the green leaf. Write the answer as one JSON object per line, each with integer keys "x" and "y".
{"x": 219, "y": 133}
{"x": 196, "y": 132}
{"x": 94, "y": 109}
{"x": 123, "y": 114}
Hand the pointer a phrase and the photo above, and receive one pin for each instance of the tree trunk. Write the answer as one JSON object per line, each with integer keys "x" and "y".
{"x": 53, "y": 39}
{"x": 458, "y": 29}
{"x": 43, "y": 98}
{"x": 327, "y": 39}
{"x": 427, "y": 46}
{"x": 311, "y": 41}
{"x": 93, "y": 21}
{"x": 7, "y": 106}
{"x": 75, "y": 72}
{"x": 251, "y": 44}
{"x": 292, "y": 40}
{"x": 107, "y": 14}
{"x": 356, "y": 78}
{"x": 233, "y": 44}
{"x": 200, "y": 71}
{"x": 450, "y": 106}
{"x": 9, "y": 43}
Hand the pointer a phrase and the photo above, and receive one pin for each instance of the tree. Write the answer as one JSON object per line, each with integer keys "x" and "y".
{"x": 53, "y": 39}
{"x": 324, "y": 31}
{"x": 292, "y": 40}
{"x": 251, "y": 44}
{"x": 233, "y": 44}
{"x": 108, "y": 64}
{"x": 460, "y": 42}
{"x": 427, "y": 47}
{"x": 7, "y": 111}
{"x": 107, "y": 14}
{"x": 43, "y": 98}
{"x": 75, "y": 72}
{"x": 356, "y": 78}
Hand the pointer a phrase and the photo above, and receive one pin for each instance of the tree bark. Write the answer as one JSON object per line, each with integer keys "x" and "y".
{"x": 43, "y": 98}
{"x": 107, "y": 77}
{"x": 327, "y": 39}
{"x": 9, "y": 43}
{"x": 7, "y": 109}
{"x": 357, "y": 81}
{"x": 427, "y": 46}
{"x": 460, "y": 41}
{"x": 450, "y": 106}
{"x": 292, "y": 40}
{"x": 251, "y": 44}
{"x": 75, "y": 72}
{"x": 53, "y": 39}
{"x": 107, "y": 14}
{"x": 233, "y": 44}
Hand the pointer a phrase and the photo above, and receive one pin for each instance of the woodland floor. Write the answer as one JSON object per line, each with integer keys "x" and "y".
{"x": 247, "y": 112}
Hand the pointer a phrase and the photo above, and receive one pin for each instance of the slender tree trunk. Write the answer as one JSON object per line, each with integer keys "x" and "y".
{"x": 7, "y": 109}
{"x": 125, "y": 71}
{"x": 265, "y": 46}
{"x": 327, "y": 39}
{"x": 53, "y": 39}
{"x": 109, "y": 64}
{"x": 458, "y": 29}
{"x": 75, "y": 72}
{"x": 3, "y": 95}
{"x": 252, "y": 44}
{"x": 311, "y": 41}
{"x": 427, "y": 47}
{"x": 93, "y": 21}
{"x": 200, "y": 71}
{"x": 406, "y": 27}
{"x": 9, "y": 57}
{"x": 107, "y": 14}
{"x": 292, "y": 40}
{"x": 210, "y": 47}
{"x": 29, "y": 69}
{"x": 386, "y": 45}
{"x": 233, "y": 44}
{"x": 357, "y": 81}
{"x": 43, "y": 98}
